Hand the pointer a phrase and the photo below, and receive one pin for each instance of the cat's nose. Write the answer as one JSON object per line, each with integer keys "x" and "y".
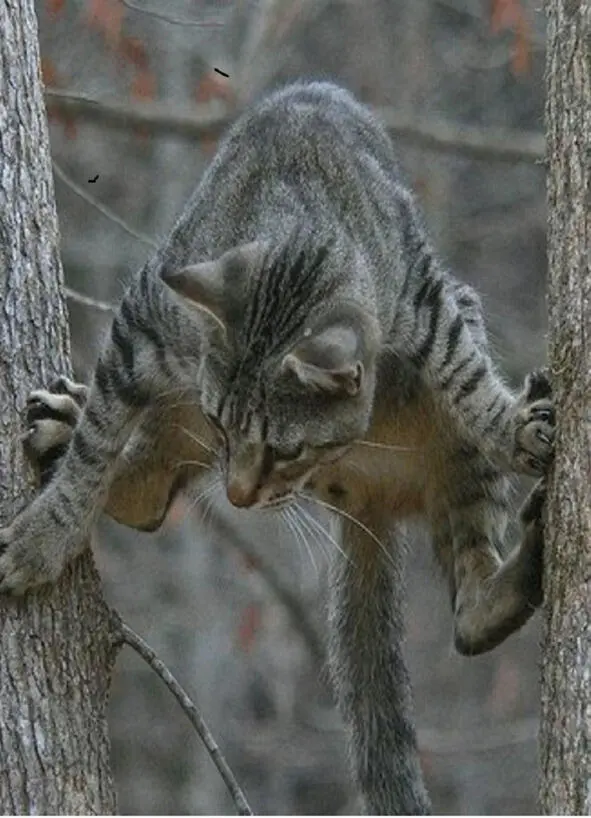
{"x": 241, "y": 493}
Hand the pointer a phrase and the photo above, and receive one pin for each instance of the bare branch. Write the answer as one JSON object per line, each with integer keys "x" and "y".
{"x": 264, "y": 744}
{"x": 67, "y": 180}
{"x": 480, "y": 739}
{"x": 200, "y": 122}
{"x": 177, "y": 21}
{"x": 496, "y": 144}
{"x": 131, "y": 638}
{"x": 301, "y": 622}
{"x": 86, "y": 301}
{"x": 205, "y": 121}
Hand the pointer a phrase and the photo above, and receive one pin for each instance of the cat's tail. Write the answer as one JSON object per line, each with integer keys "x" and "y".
{"x": 371, "y": 679}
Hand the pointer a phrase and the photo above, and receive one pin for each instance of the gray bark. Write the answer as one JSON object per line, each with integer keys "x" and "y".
{"x": 565, "y": 736}
{"x": 56, "y": 646}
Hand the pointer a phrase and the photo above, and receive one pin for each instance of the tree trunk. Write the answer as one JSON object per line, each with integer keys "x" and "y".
{"x": 565, "y": 737}
{"x": 56, "y": 646}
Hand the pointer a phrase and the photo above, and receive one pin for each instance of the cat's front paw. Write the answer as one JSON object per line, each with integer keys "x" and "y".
{"x": 534, "y": 426}
{"x": 51, "y": 416}
{"x": 26, "y": 557}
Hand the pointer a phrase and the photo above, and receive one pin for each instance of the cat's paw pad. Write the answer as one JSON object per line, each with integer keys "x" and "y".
{"x": 23, "y": 562}
{"x": 51, "y": 416}
{"x": 534, "y": 426}
{"x": 62, "y": 402}
{"x": 534, "y": 438}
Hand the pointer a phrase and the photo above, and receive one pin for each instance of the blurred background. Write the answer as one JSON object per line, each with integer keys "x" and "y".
{"x": 232, "y": 603}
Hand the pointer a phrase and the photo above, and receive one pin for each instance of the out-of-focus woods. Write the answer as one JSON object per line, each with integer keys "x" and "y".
{"x": 231, "y": 601}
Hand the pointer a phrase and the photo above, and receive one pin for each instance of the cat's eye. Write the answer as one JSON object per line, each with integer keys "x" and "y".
{"x": 286, "y": 455}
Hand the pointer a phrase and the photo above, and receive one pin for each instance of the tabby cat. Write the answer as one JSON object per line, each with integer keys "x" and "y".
{"x": 297, "y": 335}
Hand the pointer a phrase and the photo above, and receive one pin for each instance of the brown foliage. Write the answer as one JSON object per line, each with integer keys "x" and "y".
{"x": 509, "y": 15}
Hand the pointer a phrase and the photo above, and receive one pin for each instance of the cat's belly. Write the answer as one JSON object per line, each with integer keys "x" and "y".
{"x": 392, "y": 481}
{"x": 394, "y": 467}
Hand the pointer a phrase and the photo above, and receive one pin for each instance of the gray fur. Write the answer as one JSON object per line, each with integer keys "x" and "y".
{"x": 298, "y": 322}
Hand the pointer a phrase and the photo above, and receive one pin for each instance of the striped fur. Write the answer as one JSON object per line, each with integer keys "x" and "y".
{"x": 297, "y": 328}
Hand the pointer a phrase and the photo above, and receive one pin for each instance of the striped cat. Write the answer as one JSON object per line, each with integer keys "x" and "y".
{"x": 297, "y": 335}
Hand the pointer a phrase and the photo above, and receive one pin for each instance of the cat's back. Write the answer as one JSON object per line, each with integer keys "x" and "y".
{"x": 308, "y": 153}
{"x": 311, "y": 117}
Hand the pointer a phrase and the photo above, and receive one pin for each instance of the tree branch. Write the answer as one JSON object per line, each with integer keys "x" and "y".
{"x": 204, "y": 121}
{"x": 107, "y": 212}
{"x": 479, "y": 739}
{"x": 86, "y": 301}
{"x": 177, "y": 21}
{"x": 129, "y": 637}
{"x": 475, "y": 142}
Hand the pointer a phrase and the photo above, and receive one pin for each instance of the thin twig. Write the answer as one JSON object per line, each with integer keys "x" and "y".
{"x": 131, "y": 638}
{"x": 201, "y": 121}
{"x": 176, "y": 21}
{"x": 86, "y": 301}
{"x": 474, "y": 141}
{"x": 479, "y": 739}
{"x": 107, "y": 212}
{"x": 205, "y": 121}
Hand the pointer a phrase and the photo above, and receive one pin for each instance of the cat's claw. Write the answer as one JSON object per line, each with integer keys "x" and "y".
{"x": 25, "y": 559}
{"x": 534, "y": 426}
{"x": 51, "y": 415}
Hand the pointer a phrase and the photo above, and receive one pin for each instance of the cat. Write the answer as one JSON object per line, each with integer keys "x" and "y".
{"x": 297, "y": 338}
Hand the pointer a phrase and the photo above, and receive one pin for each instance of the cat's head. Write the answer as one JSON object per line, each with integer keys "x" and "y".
{"x": 287, "y": 373}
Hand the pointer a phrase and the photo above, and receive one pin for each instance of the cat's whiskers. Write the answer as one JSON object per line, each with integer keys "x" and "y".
{"x": 206, "y": 494}
{"x": 306, "y": 527}
{"x": 320, "y": 541}
{"x": 203, "y": 465}
{"x": 180, "y": 404}
{"x": 313, "y": 523}
{"x": 286, "y": 517}
{"x": 175, "y": 390}
{"x": 208, "y": 503}
{"x": 292, "y": 521}
{"x": 374, "y": 444}
{"x": 285, "y": 520}
{"x": 196, "y": 439}
{"x": 355, "y": 466}
{"x": 345, "y": 515}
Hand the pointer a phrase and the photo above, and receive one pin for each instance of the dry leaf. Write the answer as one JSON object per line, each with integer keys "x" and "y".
{"x": 509, "y": 15}
{"x": 106, "y": 16}
{"x": 55, "y": 7}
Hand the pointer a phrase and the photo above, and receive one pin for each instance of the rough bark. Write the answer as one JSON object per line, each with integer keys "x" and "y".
{"x": 56, "y": 647}
{"x": 565, "y": 736}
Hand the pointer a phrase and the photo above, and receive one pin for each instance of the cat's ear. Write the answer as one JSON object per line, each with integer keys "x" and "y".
{"x": 328, "y": 361}
{"x": 217, "y": 288}
{"x": 202, "y": 285}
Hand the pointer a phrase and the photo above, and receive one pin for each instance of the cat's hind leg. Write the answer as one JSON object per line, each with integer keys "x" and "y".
{"x": 495, "y": 596}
